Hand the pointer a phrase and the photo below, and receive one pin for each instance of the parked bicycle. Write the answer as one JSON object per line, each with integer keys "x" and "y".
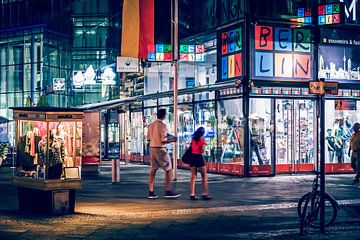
{"x": 309, "y": 208}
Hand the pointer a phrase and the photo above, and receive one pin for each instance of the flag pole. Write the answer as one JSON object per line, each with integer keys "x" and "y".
{"x": 175, "y": 44}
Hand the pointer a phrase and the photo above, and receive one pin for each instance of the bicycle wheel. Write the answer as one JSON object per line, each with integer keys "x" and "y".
{"x": 314, "y": 208}
{"x": 301, "y": 203}
{"x": 331, "y": 210}
{"x": 309, "y": 208}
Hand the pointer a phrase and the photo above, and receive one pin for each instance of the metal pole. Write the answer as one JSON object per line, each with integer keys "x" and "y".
{"x": 246, "y": 91}
{"x": 32, "y": 83}
{"x": 175, "y": 44}
{"x": 322, "y": 163}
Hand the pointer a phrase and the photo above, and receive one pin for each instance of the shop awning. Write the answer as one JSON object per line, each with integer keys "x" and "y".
{"x": 111, "y": 104}
{"x": 3, "y": 120}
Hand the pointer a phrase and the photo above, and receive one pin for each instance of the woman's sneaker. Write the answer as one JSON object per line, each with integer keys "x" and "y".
{"x": 206, "y": 197}
{"x": 171, "y": 194}
{"x": 193, "y": 197}
{"x": 152, "y": 195}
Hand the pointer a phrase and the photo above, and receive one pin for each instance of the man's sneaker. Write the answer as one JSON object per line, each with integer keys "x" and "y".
{"x": 152, "y": 195}
{"x": 171, "y": 194}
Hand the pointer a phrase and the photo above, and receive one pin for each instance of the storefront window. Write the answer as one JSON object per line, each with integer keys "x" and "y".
{"x": 261, "y": 130}
{"x": 205, "y": 117}
{"x": 45, "y": 149}
{"x": 340, "y": 117}
{"x": 231, "y": 131}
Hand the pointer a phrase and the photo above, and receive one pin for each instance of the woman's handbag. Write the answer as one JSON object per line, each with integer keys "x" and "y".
{"x": 186, "y": 158}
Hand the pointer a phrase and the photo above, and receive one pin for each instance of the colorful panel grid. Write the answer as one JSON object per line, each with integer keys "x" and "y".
{"x": 296, "y": 91}
{"x": 330, "y": 14}
{"x": 304, "y": 16}
{"x": 230, "y": 91}
{"x": 192, "y": 53}
{"x": 286, "y": 91}
{"x": 355, "y": 93}
{"x": 279, "y": 91}
{"x": 266, "y": 90}
{"x": 282, "y": 53}
{"x": 345, "y": 92}
{"x": 231, "y": 53}
{"x": 159, "y": 52}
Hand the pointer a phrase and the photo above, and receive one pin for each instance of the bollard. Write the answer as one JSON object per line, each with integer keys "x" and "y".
{"x": 115, "y": 170}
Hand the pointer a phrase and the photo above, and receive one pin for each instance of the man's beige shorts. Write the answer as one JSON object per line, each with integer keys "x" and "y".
{"x": 159, "y": 157}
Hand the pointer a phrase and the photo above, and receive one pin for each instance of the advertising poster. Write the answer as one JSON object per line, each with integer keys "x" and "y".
{"x": 339, "y": 55}
{"x": 91, "y": 138}
{"x": 347, "y": 104}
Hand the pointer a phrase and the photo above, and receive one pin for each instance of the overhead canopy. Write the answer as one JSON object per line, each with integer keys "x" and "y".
{"x": 3, "y": 120}
{"x": 115, "y": 103}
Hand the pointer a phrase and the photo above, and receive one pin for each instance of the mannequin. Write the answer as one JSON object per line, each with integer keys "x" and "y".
{"x": 56, "y": 155}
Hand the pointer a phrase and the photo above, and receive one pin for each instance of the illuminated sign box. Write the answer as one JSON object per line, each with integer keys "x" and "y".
{"x": 282, "y": 53}
{"x": 192, "y": 53}
{"x": 231, "y": 56}
{"x": 330, "y": 14}
{"x": 304, "y": 16}
{"x": 322, "y": 87}
{"x": 160, "y": 53}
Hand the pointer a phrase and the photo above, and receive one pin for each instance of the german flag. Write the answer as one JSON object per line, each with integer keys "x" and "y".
{"x": 144, "y": 23}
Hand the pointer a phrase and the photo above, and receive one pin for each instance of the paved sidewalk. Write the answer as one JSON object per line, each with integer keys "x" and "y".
{"x": 242, "y": 208}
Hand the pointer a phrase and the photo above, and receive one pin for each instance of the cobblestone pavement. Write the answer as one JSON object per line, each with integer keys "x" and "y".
{"x": 242, "y": 208}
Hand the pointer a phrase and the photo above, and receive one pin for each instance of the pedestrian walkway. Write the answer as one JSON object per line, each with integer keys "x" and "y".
{"x": 242, "y": 208}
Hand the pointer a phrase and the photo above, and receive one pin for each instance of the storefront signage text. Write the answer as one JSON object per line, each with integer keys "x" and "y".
{"x": 322, "y": 87}
{"x": 282, "y": 53}
{"x": 231, "y": 10}
{"x": 352, "y": 11}
{"x": 231, "y": 54}
{"x": 127, "y": 64}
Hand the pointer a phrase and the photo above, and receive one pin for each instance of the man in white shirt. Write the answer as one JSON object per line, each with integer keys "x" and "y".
{"x": 159, "y": 157}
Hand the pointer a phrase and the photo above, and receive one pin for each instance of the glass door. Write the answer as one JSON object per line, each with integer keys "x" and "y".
{"x": 124, "y": 135}
{"x": 295, "y": 135}
{"x": 185, "y": 127}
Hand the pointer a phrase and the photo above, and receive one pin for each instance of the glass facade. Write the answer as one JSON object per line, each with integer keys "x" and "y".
{"x": 95, "y": 32}
{"x": 29, "y": 61}
{"x": 263, "y": 130}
